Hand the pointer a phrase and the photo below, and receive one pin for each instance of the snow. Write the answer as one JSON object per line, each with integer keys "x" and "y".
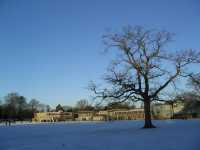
{"x": 117, "y": 135}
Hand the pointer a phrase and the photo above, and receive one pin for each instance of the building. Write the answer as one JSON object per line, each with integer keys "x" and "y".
{"x": 159, "y": 111}
{"x": 90, "y": 116}
{"x": 103, "y": 115}
{"x": 53, "y": 116}
{"x": 124, "y": 114}
{"x": 114, "y": 114}
{"x": 85, "y": 115}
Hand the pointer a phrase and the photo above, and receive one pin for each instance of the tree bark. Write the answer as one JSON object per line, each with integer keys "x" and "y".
{"x": 147, "y": 114}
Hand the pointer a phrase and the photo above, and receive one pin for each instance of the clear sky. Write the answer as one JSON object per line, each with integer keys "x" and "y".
{"x": 51, "y": 49}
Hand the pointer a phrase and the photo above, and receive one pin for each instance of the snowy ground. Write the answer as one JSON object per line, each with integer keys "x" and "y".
{"x": 119, "y": 135}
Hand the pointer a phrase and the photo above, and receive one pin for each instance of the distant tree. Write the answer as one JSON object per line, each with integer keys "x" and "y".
{"x": 89, "y": 107}
{"x": 11, "y": 103}
{"x": 1, "y": 110}
{"x": 194, "y": 82}
{"x": 15, "y": 106}
{"x": 143, "y": 68}
{"x": 48, "y": 108}
{"x": 114, "y": 105}
{"x": 41, "y": 107}
{"x": 82, "y": 104}
{"x": 59, "y": 108}
{"x": 34, "y": 104}
{"x": 22, "y": 108}
{"x": 67, "y": 108}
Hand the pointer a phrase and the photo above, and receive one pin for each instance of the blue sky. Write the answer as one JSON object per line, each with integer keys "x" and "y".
{"x": 51, "y": 49}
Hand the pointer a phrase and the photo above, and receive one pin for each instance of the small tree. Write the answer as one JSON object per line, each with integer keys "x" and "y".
{"x": 143, "y": 69}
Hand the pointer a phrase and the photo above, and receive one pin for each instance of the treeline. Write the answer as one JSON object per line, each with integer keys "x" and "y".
{"x": 85, "y": 105}
{"x": 17, "y": 107}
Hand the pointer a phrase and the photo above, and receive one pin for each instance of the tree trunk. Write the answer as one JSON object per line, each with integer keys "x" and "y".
{"x": 147, "y": 114}
{"x": 172, "y": 111}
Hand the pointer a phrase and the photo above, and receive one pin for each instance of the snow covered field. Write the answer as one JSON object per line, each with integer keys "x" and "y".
{"x": 117, "y": 135}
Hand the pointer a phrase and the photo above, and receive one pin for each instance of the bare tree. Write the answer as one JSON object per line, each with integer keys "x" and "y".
{"x": 83, "y": 104}
{"x": 194, "y": 82}
{"x": 143, "y": 68}
{"x": 34, "y": 104}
